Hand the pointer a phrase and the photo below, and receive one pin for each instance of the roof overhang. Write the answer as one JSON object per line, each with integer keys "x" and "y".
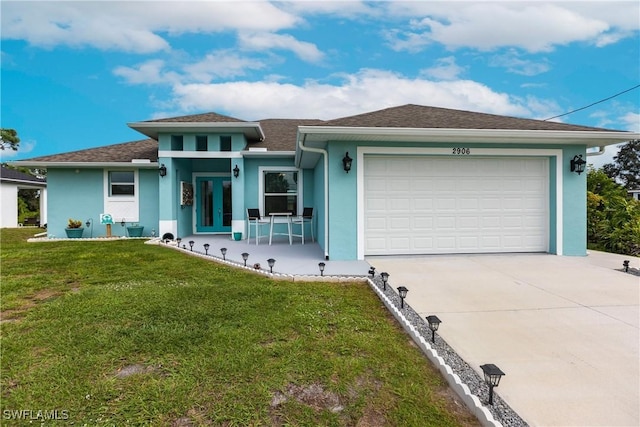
{"x": 251, "y": 130}
{"x": 37, "y": 164}
{"x": 319, "y": 136}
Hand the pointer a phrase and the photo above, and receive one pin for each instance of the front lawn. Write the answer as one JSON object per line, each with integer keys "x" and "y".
{"x": 123, "y": 333}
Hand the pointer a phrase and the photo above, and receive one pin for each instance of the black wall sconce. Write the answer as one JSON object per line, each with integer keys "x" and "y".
{"x": 492, "y": 375}
{"x": 236, "y": 171}
{"x": 577, "y": 164}
{"x": 162, "y": 170}
{"x": 346, "y": 162}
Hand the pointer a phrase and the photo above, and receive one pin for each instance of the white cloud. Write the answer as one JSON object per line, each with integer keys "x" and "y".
{"x": 446, "y": 69}
{"x": 512, "y": 61}
{"x": 263, "y": 41}
{"x": 149, "y": 72}
{"x": 632, "y": 120}
{"x": 532, "y": 26}
{"x": 221, "y": 64}
{"x": 25, "y": 147}
{"x": 133, "y": 26}
{"x": 365, "y": 91}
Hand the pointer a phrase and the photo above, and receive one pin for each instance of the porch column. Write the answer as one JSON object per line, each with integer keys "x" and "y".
{"x": 237, "y": 197}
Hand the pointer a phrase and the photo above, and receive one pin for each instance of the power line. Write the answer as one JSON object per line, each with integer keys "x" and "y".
{"x": 591, "y": 105}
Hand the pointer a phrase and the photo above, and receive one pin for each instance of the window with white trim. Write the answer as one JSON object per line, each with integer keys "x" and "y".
{"x": 122, "y": 183}
{"x": 280, "y": 191}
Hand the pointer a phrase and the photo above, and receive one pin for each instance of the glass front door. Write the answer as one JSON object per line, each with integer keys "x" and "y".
{"x": 213, "y": 204}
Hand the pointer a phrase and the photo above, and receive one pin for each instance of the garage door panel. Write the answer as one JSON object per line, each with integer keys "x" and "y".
{"x": 424, "y": 205}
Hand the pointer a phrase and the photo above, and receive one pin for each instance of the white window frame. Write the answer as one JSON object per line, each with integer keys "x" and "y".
{"x": 300, "y": 185}
{"x": 122, "y": 207}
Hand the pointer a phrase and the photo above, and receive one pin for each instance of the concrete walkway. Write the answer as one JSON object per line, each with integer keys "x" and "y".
{"x": 565, "y": 330}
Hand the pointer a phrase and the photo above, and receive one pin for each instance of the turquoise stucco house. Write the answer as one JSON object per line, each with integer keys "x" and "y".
{"x": 422, "y": 180}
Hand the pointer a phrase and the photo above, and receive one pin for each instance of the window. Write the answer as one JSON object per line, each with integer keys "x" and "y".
{"x": 280, "y": 191}
{"x": 201, "y": 143}
{"x": 225, "y": 143}
{"x": 121, "y": 183}
{"x": 176, "y": 143}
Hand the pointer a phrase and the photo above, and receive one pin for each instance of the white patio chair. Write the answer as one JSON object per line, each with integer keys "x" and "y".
{"x": 255, "y": 220}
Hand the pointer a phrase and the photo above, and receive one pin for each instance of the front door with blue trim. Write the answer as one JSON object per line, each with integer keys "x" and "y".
{"x": 213, "y": 204}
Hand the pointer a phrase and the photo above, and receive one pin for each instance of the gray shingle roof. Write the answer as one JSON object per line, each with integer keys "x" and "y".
{"x": 280, "y": 134}
{"x": 198, "y": 118}
{"x": 7, "y": 174}
{"x": 418, "y": 116}
{"x": 125, "y": 152}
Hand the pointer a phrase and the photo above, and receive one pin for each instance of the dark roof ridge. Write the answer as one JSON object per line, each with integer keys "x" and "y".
{"x": 198, "y": 118}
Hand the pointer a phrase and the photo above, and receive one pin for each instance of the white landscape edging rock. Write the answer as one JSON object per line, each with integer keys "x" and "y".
{"x": 462, "y": 390}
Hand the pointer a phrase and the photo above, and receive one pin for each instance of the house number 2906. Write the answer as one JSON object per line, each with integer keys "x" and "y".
{"x": 461, "y": 151}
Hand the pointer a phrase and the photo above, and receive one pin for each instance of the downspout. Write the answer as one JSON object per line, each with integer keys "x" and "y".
{"x": 326, "y": 190}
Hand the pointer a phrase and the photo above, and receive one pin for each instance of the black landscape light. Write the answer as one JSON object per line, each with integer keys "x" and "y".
{"x": 178, "y": 240}
{"x": 577, "y": 164}
{"x": 372, "y": 271}
{"x": 402, "y": 291}
{"x": 321, "y": 267}
{"x": 206, "y": 249}
{"x": 191, "y": 243}
{"x": 492, "y": 375}
{"x": 271, "y": 263}
{"x": 224, "y": 253}
{"x": 245, "y": 257}
{"x": 434, "y": 323}
{"x": 385, "y": 277}
{"x": 625, "y": 264}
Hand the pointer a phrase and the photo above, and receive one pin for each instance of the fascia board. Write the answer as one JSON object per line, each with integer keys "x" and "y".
{"x": 39, "y": 164}
{"x": 590, "y": 138}
{"x": 248, "y": 153}
{"x": 152, "y": 129}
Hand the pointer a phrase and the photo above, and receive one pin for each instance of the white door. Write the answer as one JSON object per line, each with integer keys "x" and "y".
{"x": 441, "y": 205}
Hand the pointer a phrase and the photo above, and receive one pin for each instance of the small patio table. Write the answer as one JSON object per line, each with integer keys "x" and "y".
{"x": 287, "y": 216}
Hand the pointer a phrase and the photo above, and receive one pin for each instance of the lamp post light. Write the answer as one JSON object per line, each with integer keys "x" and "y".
{"x": 321, "y": 267}
{"x": 191, "y": 243}
{"x": 245, "y": 256}
{"x": 178, "y": 240}
{"x": 385, "y": 277}
{"x": 434, "y": 323}
{"x": 492, "y": 375}
{"x": 372, "y": 271}
{"x": 206, "y": 249}
{"x": 271, "y": 262}
{"x": 224, "y": 253}
{"x": 402, "y": 291}
{"x": 625, "y": 264}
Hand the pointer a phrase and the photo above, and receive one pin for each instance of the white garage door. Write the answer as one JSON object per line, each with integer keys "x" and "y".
{"x": 442, "y": 205}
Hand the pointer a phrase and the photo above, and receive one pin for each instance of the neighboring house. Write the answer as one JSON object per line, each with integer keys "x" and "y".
{"x": 423, "y": 180}
{"x": 635, "y": 194}
{"x": 11, "y": 181}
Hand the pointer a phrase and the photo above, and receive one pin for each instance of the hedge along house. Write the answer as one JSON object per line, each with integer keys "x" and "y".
{"x": 403, "y": 180}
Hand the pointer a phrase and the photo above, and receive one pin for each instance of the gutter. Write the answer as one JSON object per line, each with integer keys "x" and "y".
{"x": 326, "y": 189}
{"x": 596, "y": 153}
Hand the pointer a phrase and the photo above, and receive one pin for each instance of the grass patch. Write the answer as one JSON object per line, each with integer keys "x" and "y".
{"x": 123, "y": 333}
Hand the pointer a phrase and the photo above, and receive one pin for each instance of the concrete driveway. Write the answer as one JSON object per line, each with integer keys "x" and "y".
{"x": 565, "y": 330}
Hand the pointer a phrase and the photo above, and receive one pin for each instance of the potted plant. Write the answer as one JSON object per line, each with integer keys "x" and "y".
{"x": 74, "y": 229}
{"x": 135, "y": 230}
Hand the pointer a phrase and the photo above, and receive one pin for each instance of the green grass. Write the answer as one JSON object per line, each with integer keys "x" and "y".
{"x": 214, "y": 344}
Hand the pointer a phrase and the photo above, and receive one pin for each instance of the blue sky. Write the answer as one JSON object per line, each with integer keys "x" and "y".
{"x": 74, "y": 73}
